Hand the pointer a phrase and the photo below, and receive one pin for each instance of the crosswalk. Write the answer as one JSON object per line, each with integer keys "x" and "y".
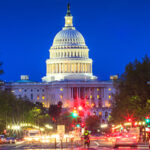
{"x": 95, "y": 145}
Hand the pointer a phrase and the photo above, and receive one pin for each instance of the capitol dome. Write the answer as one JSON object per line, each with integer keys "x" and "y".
{"x": 69, "y": 37}
{"x": 69, "y": 55}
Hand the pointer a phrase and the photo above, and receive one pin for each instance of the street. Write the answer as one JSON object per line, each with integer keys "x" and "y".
{"x": 38, "y": 146}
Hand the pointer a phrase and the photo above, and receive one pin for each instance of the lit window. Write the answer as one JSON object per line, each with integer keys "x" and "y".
{"x": 20, "y": 90}
{"x": 61, "y": 89}
{"x": 90, "y": 96}
{"x": 38, "y": 97}
{"x": 109, "y": 96}
{"x": 109, "y": 89}
{"x": 107, "y": 103}
{"x": 87, "y": 103}
{"x": 100, "y": 113}
{"x": 61, "y": 96}
{"x": 93, "y": 105}
{"x": 97, "y": 96}
{"x": 97, "y": 89}
{"x": 43, "y": 97}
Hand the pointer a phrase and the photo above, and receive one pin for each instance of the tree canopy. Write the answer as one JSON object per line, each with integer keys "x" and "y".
{"x": 92, "y": 122}
{"x": 132, "y": 98}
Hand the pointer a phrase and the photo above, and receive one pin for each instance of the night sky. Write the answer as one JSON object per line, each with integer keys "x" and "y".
{"x": 116, "y": 32}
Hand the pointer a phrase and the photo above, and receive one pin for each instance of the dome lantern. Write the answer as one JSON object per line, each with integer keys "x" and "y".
{"x": 68, "y": 18}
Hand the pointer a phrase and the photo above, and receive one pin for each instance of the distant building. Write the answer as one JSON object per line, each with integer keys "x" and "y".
{"x": 69, "y": 76}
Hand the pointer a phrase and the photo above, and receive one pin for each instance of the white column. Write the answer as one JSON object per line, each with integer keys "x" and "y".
{"x": 63, "y": 67}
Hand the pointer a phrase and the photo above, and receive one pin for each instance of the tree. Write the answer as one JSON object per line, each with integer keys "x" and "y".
{"x": 12, "y": 110}
{"x": 55, "y": 110}
{"x": 133, "y": 93}
{"x": 65, "y": 119}
{"x": 92, "y": 122}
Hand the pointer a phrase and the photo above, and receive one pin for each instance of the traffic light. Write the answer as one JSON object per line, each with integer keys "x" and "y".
{"x": 82, "y": 125}
{"x": 147, "y": 120}
{"x": 129, "y": 120}
{"x": 74, "y": 113}
{"x": 78, "y": 126}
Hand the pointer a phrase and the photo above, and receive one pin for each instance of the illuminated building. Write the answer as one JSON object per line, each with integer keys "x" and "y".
{"x": 69, "y": 76}
{"x": 69, "y": 55}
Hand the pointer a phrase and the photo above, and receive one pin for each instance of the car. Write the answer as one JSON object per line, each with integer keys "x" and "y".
{"x": 126, "y": 139}
{"x": 2, "y": 139}
{"x": 10, "y": 140}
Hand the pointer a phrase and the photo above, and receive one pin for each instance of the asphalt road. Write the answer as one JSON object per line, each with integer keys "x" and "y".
{"x": 38, "y": 146}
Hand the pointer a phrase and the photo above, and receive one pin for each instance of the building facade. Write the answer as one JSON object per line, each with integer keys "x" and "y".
{"x": 69, "y": 76}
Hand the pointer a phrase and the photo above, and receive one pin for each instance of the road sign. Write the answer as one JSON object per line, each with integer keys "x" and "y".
{"x": 61, "y": 129}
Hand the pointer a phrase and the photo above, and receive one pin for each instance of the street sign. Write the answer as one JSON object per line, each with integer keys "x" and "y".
{"x": 61, "y": 129}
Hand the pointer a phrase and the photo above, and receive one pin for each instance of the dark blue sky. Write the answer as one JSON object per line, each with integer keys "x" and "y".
{"x": 116, "y": 32}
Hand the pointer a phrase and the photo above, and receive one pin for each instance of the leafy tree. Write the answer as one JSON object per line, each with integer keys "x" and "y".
{"x": 92, "y": 122}
{"x": 55, "y": 111}
{"x": 65, "y": 119}
{"x": 133, "y": 93}
{"x": 36, "y": 116}
{"x": 12, "y": 110}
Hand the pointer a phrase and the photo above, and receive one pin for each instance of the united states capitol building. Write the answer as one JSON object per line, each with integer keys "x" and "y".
{"x": 69, "y": 76}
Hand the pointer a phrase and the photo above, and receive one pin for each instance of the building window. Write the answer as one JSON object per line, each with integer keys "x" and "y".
{"x": 109, "y": 89}
{"x": 38, "y": 97}
{"x": 32, "y": 96}
{"x": 109, "y": 96}
{"x": 61, "y": 96}
{"x": 43, "y": 90}
{"x": 97, "y": 89}
{"x": 25, "y": 90}
{"x": 61, "y": 89}
{"x": 93, "y": 105}
{"x": 20, "y": 90}
{"x": 90, "y": 96}
{"x": 37, "y": 90}
{"x": 100, "y": 113}
{"x": 97, "y": 96}
{"x": 31, "y": 90}
{"x": 43, "y": 97}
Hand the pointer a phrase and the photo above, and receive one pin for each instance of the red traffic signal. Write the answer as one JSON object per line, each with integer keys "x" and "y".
{"x": 147, "y": 117}
{"x": 82, "y": 125}
{"x": 129, "y": 120}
